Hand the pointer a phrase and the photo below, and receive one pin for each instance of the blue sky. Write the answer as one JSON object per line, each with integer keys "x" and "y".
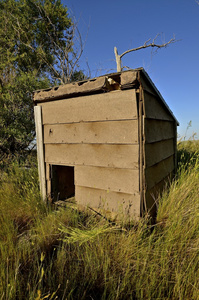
{"x": 129, "y": 23}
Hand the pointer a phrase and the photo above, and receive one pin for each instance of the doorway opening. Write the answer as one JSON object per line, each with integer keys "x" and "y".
{"x": 62, "y": 182}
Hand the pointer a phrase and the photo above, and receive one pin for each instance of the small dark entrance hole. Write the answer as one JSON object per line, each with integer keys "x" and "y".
{"x": 63, "y": 186}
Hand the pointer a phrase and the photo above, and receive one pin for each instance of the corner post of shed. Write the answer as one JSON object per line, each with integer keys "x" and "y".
{"x": 141, "y": 129}
{"x": 175, "y": 145}
{"x": 40, "y": 150}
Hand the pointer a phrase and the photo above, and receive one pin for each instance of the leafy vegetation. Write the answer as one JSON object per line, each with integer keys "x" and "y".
{"x": 49, "y": 253}
{"x": 37, "y": 49}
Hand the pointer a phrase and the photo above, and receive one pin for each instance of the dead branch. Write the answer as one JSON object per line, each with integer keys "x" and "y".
{"x": 147, "y": 44}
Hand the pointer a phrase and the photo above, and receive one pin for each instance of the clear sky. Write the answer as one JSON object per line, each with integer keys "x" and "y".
{"x": 129, "y": 23}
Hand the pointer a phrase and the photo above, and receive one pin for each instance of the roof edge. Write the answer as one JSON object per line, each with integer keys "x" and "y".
{"x": 105, "y": 83}
{"x": 158, "y": 93}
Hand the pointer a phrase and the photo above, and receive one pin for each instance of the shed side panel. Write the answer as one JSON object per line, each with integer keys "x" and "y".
{"x": 159, "y": 147}
{"x": 158, "y": 151}
{"x": 158, "y": 172}
{"x": 115, "y": 105}
{"x": 153, "y": 194}
{"x": 109, "y": 179}
{"x": 147, "y": 87}
{"x": 106, "y": 132}
{"x": 157, "y": 130}
{"x": 154, "y": 109}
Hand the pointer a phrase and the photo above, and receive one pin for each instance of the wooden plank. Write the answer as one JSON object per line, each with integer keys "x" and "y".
{"x": 156, "y": 152}
{"x": 48, "y": 181}
{"x": 128, "y": 79}
{"x": 111, "y": 132}
{"x": 175, "y": 145}
{"x": 119, "y": 203}
{"x": 110, "y": 179}
{"x": 154, "y": 108}
{"x": 146, "y": 86}
{"x": 93, "y": 85}
{"x": 158, "y": 172}
{"x": 156, "y": 130}
{"x": 114, "y": 156}
{"x": 48, "y": 171}
{"x": 141, "y": 150}
{"x": 152, "y": 195}
{"x": 149, "y": 86}
{"x": 40, "y": 150}
{"x": 115, "y": 105}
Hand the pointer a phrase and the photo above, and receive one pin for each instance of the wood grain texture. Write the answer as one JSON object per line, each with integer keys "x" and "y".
{"x": 116, "y": 156}
{"x": 115, "y": 105}
{"x": 175, "y": 144}
{"x": 158, "y": 172}
{"x": 40, "y": 150}
{"x": 92, "y": 85}
{"x": 153, "y": 195}
{"x": 154, "y": 109}
{"x": 110, "y": 179}
{"x": 48, "y": 180}
{"x": 128, "y": 79}
{"x": 158, "y": 151}
{"x": 119, "y": 203}
{"x": 111, "y": 132}
{"x": 156, "y": 130}
{"x": 146, "y": 86}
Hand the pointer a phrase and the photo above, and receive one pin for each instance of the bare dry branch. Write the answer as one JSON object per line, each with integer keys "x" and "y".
{"x": 144, "y": 46}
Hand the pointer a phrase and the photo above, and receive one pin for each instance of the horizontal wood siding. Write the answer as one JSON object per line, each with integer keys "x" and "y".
{"x": 159, "y": 148}
{"x": 107, "y": 132}
{"x": 157, "y": 130}
{"x": 154, "y": 109}
{"x": 159, "y": 144}
{"x": 158, "y": 172}
{"x": 119, "y": 203}
{"x": 98, "y": 135}
{"x": 114, "y": 156}
{"x": 153, "y": 194}
{"x": 156, "y": 152}
{"x": 109, "y": 179}
{"x": 116, "y": 105}
{"x": 146, "y": 86}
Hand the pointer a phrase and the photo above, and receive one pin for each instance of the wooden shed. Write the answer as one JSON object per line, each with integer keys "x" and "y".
{"x": 109, "y": 141}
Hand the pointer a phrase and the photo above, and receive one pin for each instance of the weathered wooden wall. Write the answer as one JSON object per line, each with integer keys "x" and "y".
{"x": 115, "y": 148}
{"x": 159, "y": 145}
{"x": 98, "y": 135}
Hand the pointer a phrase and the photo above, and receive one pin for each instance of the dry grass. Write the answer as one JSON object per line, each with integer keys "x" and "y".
{"x": 66, "y": 254}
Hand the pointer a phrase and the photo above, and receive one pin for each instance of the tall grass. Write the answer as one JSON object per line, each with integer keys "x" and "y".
{"x": 66, "y": 254}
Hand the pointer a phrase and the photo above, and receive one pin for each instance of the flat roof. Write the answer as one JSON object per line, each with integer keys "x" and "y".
{"x": 106, "y": 83}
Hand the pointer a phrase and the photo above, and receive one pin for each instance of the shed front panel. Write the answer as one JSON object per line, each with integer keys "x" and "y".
{"x": 98, "y": 136}
{"x": 113, "y": 202}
